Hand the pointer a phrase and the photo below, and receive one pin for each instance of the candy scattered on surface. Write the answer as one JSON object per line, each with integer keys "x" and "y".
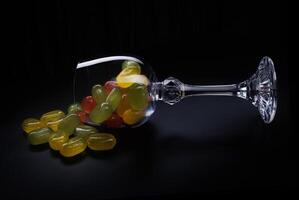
{"x": 116, "y": 104}
{"x": 101, "y": 141}
{"x": 32, "y": 124}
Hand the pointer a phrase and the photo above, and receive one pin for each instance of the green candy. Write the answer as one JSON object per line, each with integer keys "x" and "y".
{"x": 39, "y": 136}
{"x": 100, "y": 113}
{"x": 138, "y": 97}
{"x": 114, "y": 98}
{"x": 84, "y": 131}
{"x": 130, "y": 63}
{"x": 74, "y": 108}
{"x": 69, "y": 123}
{"x": 98, "y": 94}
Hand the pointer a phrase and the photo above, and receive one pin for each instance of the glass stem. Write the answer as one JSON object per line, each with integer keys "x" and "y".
{"x": 171, "y": 90}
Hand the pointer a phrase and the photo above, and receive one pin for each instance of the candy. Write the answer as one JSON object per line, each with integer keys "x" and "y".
{"x": 98, "y": 94}
{"x": 56, "y": 140}
{"x": 84, "y": 131}
{"x": 69, "y": 123}
{"x": 82, "y": 116}
{"x": 131, "y": 117}
{"x": 32, "y": 124}
{"x": 52, "y": 116}
{"x": 114, "y": 121}
{"x": 114, "y": 98}
{"x": 39, "y": 136}
{"x": 138, "y": 97}
{"x": 74, "y": 146}
{"x": 54, "y": 125}
{"x": 127, "y": 81}
{"x": 133, "y": 64}
{"x": 123, "y": 106}
{"x": 101, "y": 113}
{"x": 88, "y": 103}
{"x": 101, "y": 141}
{"x": 130, "y": 70}
{"x": 109, "y": 85}
{"x": 74, "y": 108}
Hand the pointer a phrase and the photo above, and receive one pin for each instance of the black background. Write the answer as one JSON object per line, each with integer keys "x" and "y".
{"x": 201, "y": 146}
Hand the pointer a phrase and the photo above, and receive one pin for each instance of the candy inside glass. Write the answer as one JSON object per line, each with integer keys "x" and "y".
{"x": 137, "y": 90}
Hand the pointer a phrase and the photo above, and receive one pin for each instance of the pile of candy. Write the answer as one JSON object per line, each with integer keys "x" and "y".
{"x": 118, "y": 103}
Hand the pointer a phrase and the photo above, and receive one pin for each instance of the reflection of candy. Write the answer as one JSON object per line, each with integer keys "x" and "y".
{"x": 101, "y": 141}
{"x": 100, "y": 113}
{"x": 114, "y": 121}
{"x": 32, "y": 124}
{"x": 127, "y": 81}
{"x": 39, "y": 136}
{"x": 138, "y": 97}
{"x": 56, "y": 140}
{"x": 74, "y": 146}
{"x": 114, "y": 98}
{"x": 131, "y": 117}
{"x": 69, "y": 123}
{"x": 98, "y": 94}
{"x": 88, "y": 103}
{"x": 84, "y": 131}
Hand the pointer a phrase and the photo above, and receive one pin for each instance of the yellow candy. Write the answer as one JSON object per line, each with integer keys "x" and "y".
{"x": 127, "y": 81}
{"x": 54, "y": 125}
{"x": 74, "y": 146}
{"x": 131, "y": 117}
{"x": 101, "y": 141}
{"x": 128, "y": 70}
{"x": 56, "y": 140}
{"x": 52, "y": 116}
{"x": 32, "y": 124}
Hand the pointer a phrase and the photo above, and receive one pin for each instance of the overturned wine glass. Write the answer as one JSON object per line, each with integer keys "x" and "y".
{"x": 122, "y": 91}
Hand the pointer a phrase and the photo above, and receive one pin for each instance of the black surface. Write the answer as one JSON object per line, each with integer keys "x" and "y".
{"x": 207, "y": 145}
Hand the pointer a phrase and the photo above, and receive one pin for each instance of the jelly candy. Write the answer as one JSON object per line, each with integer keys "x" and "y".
{"x": 39, "y": 136}
{"x": 109, "y": 85}
{"x": 54, "y": 124}
{"x": 98, "y": 94}
{"x": 130, "y": 63}
{"x": 127, "y": 81}
{"x": 69, "y": 123}
{"x": 114, "y": 98}
{"x": 88, "y": 103}
{"x": 52, "y": 116}
{"x": 84, "y": 131}
{"x": 131, "y": 117}
{"x": 101, "y": 112}
{"x": 123, "y": 106}
{"x": 56, "y": 140}
{"x": 32, "y": 124}
{"x": 114, "y": 121}
{"x": 74, "y": 146}
{"x": 138, "y": 97}
{"x": 127, "y": 71}
{"x": 101, "y": 141}
{"x": 83, "y": 116}
{"x": 74, "y": 108}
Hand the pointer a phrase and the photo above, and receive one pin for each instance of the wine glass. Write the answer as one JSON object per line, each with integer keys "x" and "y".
{"x": 125, "y": 90}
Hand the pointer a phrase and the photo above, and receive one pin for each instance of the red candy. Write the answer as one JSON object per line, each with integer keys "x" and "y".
{"x": 88, "y": 103}
{"x": 109, "y": 85}
{"x": 114, "y": 121}
{"x": 82, "y": 116}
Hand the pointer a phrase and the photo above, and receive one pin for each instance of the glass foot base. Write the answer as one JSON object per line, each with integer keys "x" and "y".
{"x": 262, "y": 89}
